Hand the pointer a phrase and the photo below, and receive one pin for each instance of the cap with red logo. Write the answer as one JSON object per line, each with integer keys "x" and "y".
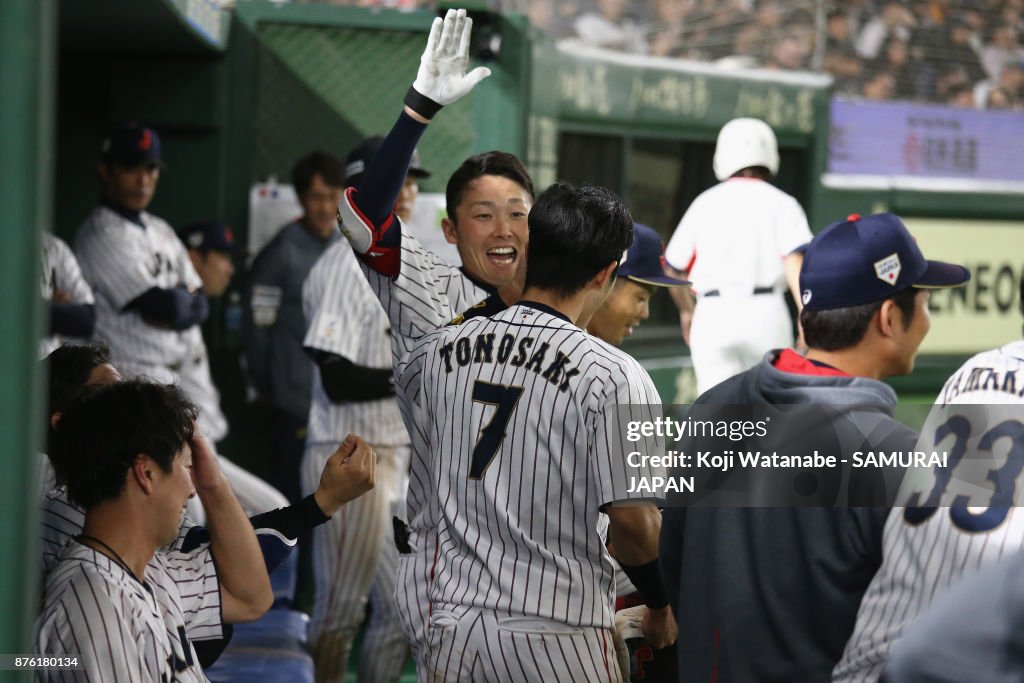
{"x": 131, "y": 144}
{"x": 207, "y": 236}
{"x": 870, "y": 258}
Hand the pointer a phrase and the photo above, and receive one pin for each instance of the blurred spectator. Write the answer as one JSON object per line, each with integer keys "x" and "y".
{"x": 998, "y": 98}
{"x": 958, "y": 50}
{"x": 666, "y": 37}
{"x": 895, "y": 58}
{"x": 895, "y": 19}
{"x": 838, "y": 29}
{"x": 789, "y": 52}
{"x": 951, "y": 77}
{"x": 960, "y": 95}
{"x": 610, "y": 27}
{"x": 1000, "y": 47}
{"x": 879, "y": 85}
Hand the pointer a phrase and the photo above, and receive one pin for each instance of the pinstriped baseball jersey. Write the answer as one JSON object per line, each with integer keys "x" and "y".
{"x": 518, "y": 413}
{"x": 60, "y": 521}
{"x": 123, "y": 629}
{"x": 427, "y": 294}
{"x": 344, "y": 318}
{"x": 194, "y": 377}
{"x": 61, "y": 272}
{"x": 121, "y": 260}
{"x": 927, "y": 549}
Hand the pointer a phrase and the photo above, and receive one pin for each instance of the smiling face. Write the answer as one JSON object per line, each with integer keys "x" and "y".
{"x": 490, "y": 229}
{"x": 624, "y": 309}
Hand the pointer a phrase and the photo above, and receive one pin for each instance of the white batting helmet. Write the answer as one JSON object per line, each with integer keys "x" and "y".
{"x": 743, "y": 143}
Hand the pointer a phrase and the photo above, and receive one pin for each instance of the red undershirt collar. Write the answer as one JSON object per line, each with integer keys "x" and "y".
{"x": 790, "y": 361}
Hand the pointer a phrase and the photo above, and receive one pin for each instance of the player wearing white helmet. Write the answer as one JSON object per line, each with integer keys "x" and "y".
{"x": 735, "y": 243}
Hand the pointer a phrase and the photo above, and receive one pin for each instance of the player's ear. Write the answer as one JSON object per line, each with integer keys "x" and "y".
{"x": 450, "y": 234}
{"x": 103, "y": 170}
{"x": 54, "y": 419}
{"x": 888, "y": 317}
{"x": 606, "y": 276}
{"x": 142, "y": 472}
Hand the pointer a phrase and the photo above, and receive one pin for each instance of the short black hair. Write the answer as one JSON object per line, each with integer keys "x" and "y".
{"x": 105, "y": 429}
{"x": 574, "y": 233}
{"x": 68, "y": 368}
{"x": 489, "y": 163}
{"x": 328, "y": 166}
{"x": 842, "y": 328}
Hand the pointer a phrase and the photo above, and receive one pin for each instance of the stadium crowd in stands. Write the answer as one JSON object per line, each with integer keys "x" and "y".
{"x": 943, "y": 51}
{"x": 965, "y": 53}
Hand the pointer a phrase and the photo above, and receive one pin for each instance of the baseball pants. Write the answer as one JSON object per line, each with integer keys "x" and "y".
{"x": 412, "y": 601}
{"x": 354, "y": 559}
{"x": 471, "y": 644}
{"x": 731, "y": 334}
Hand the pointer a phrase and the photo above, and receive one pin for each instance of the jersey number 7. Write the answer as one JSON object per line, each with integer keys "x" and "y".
{"x": 504, "y": 398}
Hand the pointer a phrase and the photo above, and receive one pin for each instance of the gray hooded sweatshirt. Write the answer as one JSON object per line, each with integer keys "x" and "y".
{"x": 771, "y": 594}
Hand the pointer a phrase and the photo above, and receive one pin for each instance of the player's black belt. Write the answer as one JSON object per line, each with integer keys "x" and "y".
{"x": 757, "y": 290}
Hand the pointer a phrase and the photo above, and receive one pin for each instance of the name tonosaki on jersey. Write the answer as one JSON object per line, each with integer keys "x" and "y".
{"x": 482, "y": 350}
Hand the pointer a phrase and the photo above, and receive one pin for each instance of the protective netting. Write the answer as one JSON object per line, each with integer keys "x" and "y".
{"x": 328, "y": 87}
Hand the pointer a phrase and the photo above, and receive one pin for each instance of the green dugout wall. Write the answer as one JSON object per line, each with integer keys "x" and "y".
{"x": 27, "y": 50}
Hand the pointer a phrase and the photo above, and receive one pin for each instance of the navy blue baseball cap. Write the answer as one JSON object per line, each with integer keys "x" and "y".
{"x": 359, "y": 160}
{"x": 207, "y": 236}
{"x": 864, "y": 259}
{"x": 645, "y": 260}
{"x": 131, "y": 144}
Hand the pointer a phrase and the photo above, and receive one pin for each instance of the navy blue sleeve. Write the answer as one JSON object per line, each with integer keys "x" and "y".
{"x": 345, "y": 382}
{"x": 176, "y": 308}
{"x": 379, "y": 188}
{"x": 72, "y": 320}
{"x": 670, "y": 553}
{"x": 289, "y": 521}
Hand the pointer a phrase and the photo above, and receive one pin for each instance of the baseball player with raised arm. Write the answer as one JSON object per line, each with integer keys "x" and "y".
{"x": 927, "y": 549}
{"x": 68, "y": 296}
{"x": 518, "y": 412}
{"x": 488, "y": 198}
{"x": 132, "y": 459}
{"x": 736, "y": 244}
{"x": 348, "y": 338}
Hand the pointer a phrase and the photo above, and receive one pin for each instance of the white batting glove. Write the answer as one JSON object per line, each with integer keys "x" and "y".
{"x": 442, "y": 77}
